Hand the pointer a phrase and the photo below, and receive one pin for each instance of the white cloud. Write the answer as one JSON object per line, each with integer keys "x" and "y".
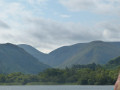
{"x": 13, "y": 12}
{"x": 51, "y": 34}
{"x": 36, "y": 1}
{"x": 110, "y": 30}
{"x": 47, "y": 34}
{"x": 77, "y": 5}
{"x": 99, "y": 6}
{"x": 111, "y": 35}
{"x": 65, "y": 16}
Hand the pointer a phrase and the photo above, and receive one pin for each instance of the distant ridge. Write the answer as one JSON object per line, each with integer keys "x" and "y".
{"x": 42, "y": 57}
{"x": 16, "y": 59}
{"x": 99, "y": 52}
{"x": 94, "y": 52}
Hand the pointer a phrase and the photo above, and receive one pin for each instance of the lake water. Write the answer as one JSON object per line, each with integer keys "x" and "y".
{"x": 56, "y": 87}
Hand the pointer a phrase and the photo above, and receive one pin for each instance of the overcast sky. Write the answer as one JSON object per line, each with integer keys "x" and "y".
{"x": 49, "y": 24}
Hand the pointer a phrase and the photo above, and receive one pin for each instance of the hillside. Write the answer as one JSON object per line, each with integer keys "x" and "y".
{"x": 42, "y": 57}
{"x": 15, "y": 59}
{"x": 114, "y": 63}
{"x": 54, "y": 58}
{"x": 61, "y": 54}
{"x": 94, "y": 52}
{"x": 98, "y": 52}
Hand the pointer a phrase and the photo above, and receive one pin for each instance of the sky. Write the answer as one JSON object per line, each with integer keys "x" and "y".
{"x": 50, "y": 24}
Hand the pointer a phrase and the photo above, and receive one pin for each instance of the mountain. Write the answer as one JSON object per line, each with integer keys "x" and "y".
{"x": 42, "y": 57}
{"x": 16, "y": 59}
{"x": 62, "y": 54}
{"x": 98, "y": 52}
{"x": 54, "y": 58}
{"x": 95, "y": 52}
{"x": 113, "y": 63}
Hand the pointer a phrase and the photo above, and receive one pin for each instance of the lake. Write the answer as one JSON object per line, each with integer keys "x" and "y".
{"x": 56, "y": 87}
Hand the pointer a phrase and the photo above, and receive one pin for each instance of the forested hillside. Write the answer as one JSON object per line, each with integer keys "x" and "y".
{"x": 98, "y": 52}
{"x": 91, "y": 74}
{"x": 15, "y": 59}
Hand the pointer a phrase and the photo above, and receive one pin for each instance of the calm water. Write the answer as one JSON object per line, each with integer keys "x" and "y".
{"x": 52, "y": 87}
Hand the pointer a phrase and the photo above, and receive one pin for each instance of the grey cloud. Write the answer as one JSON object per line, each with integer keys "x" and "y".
{"x": 4, "y": 25}
{"x": 52, "y": 34}
{"x": 111, "y": 30}
{"x": 58, "y": 34}
{"x": 113, "y": 26}
{"x": 48, "y": 34}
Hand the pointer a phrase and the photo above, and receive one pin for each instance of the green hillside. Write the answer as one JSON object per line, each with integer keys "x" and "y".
{"x": 98, "y": 52}
{"x": 15, "y": 59}
{"x": 54, "y": 58}
{"x": 61, "y": 54}
{"x": 94, "y": 52}
{"x": 42, "y": 57}
{"x": 114, "y": 63}
{"x": 90, "y": 74}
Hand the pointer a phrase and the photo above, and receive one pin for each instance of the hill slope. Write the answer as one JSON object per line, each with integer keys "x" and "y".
{"x": 15, "y": 59}
{"x": 94, "y": 52}
{"x": 42, "y": 57}
{"x": 85, "y": 53}
{"x": 113, "y": 63}
{"x": 63, "y": 53}
{"x": 98, "y": 52}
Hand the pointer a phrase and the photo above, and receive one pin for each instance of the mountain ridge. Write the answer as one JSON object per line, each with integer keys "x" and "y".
{"x": 99, "y": 52}
{"x": 16, "y": 59}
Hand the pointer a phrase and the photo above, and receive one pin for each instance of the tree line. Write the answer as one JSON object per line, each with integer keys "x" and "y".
{"x": 91, "y": 74}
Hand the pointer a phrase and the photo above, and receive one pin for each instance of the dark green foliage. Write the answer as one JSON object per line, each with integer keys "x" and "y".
{"x": 113, "y": 63}
{"x": 15, "y": 59}
{"x": 91, "y": 74}
{"x": 92, "y": 66}
{"x": 84, "y": 76}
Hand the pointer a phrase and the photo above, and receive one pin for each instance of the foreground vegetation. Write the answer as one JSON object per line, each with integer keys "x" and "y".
{"x": 91, "y": 74}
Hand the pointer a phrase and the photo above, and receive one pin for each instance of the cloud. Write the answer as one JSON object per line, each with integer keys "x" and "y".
{"x": 77, "y": 5}
{"x": 4, "y": 25}
{"x": 109, "y": 30}
{"x": 65, "y": 16}
{"x": 36, "y": 1}
{"x": 24, "y": 26}
{"x": 18, "y": 10}
{"x": 99, "y": 6}
{"x": 47, "y": 34}
{"x": 52, "y": 34}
